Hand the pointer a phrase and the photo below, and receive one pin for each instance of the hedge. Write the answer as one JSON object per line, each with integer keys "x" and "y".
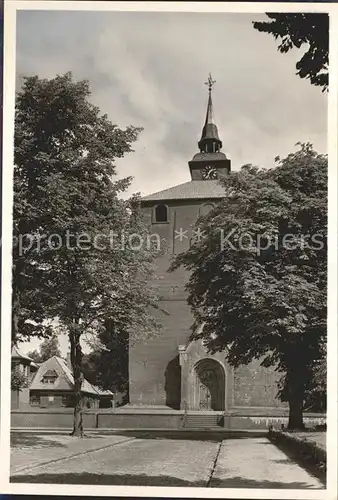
{"x": 308, "y": 450}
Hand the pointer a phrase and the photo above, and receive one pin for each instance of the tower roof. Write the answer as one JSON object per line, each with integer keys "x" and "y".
{"x": 210, "y": 141}
{"x": 210, "y": 130}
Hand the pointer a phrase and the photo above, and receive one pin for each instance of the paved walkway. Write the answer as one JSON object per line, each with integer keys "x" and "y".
{"x": 251, "y": 462}
{"x": 258, "y": 464}
{"x": 31, "y": 450}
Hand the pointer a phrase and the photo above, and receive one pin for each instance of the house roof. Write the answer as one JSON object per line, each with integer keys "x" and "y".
{"x": 16, "y": 353}
{"x": 205, "y": 189}
{"x": 50, "y": 373}
{"x": 102, "y": 392}
{"x": 65, "y": 380}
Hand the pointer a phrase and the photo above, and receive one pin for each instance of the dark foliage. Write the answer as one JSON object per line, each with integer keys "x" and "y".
{"x": 297, "y": 30}
{"x": 258, "y": 281}
{"x": 18, "y": 380}
{"x": 107, "y": 365}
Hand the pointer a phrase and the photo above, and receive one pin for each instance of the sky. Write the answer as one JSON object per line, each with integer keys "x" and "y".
{"x": 148, "y": 69}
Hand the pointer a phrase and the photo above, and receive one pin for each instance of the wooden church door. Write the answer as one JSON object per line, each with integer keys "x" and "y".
{"x": 205, "y": 398}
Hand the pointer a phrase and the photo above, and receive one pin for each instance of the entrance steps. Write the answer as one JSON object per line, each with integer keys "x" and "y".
{"x": 205, "y": 420}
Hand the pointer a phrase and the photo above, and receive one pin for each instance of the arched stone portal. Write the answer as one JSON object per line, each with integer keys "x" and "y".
{"x": 209, "y": 385}
{"x": 206, "y": 380}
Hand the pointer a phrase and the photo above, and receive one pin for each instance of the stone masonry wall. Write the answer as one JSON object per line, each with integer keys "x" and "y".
{"x": 154, "y": 370}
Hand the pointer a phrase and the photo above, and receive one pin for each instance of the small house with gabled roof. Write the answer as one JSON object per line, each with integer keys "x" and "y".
{"x": 53, "y": 386}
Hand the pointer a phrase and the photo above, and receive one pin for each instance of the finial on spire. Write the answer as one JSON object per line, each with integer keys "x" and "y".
{"x": 210, "y": 82}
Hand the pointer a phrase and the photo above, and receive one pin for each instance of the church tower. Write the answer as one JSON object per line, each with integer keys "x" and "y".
{"x": 168, "y": 371}
{"x": 210, "y": 162}
{"x": 156, "y": 375}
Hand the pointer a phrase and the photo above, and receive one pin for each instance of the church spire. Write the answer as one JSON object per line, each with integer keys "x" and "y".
{"x": 209, "y": 163}
{"x": 210, "y": 141}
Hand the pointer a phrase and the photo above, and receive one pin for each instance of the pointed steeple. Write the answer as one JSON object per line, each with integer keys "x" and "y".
{"x": 209, "y": 163}
{"x": 210, "y": 141}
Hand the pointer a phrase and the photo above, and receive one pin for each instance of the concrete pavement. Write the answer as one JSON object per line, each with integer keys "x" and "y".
{"x": 258, "y": 464}
{"x": 246, "y": 462}
{"x": 37, "y": 450}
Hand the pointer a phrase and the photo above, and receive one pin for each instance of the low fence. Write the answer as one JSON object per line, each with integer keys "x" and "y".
{"x": 94, "y": 420}
{"x": 266, "y": 421}
{"x": 108, "y": 419}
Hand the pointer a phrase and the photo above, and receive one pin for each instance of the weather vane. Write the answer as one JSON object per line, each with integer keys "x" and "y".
{"x": 210, "y": 82}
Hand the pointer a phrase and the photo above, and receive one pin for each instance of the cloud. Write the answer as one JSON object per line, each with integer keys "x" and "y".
{"x": 148, "y": 69}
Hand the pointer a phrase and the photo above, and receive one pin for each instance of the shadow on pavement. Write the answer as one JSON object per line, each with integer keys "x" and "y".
{"x": 106, "y": 479}
{"x": 242, "y": 482}
{"x": 144, "y": 480}
{"x": 24, "y": 440}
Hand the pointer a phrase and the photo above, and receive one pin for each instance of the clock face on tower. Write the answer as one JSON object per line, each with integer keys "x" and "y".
{"x": 209, "y": 172}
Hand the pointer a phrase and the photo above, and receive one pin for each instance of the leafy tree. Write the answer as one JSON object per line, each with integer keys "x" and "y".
{"x": 297, "y": 30}
{"x": 107, "y": 365}
{"x": 18, "y": 380}
{"x": 258, "y": 279}
{"x": 83, "y": 266}
{"x": 49, "y": 347}
{"x": 35, "y": 355}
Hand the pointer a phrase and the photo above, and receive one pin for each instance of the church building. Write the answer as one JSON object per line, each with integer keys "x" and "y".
{"x": 168, "y": 371}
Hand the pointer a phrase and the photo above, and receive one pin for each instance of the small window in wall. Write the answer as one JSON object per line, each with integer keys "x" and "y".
{"x": 50, "y": 399}
{"x": 48, "y": 380}
{"x": 35, "y": 400}
{"x": 161, "y": 213}
{"x": 67, "y": 400}
{"x": 49, "y": 377}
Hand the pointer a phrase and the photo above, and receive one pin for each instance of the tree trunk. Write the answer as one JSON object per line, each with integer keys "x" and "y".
{"x": 76, "y": 360}
{"x": 296, "y": 413}
{"x": 17, "y": 272}
{"x": 296, "y": 381}
{"x": 15, "y": 316}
